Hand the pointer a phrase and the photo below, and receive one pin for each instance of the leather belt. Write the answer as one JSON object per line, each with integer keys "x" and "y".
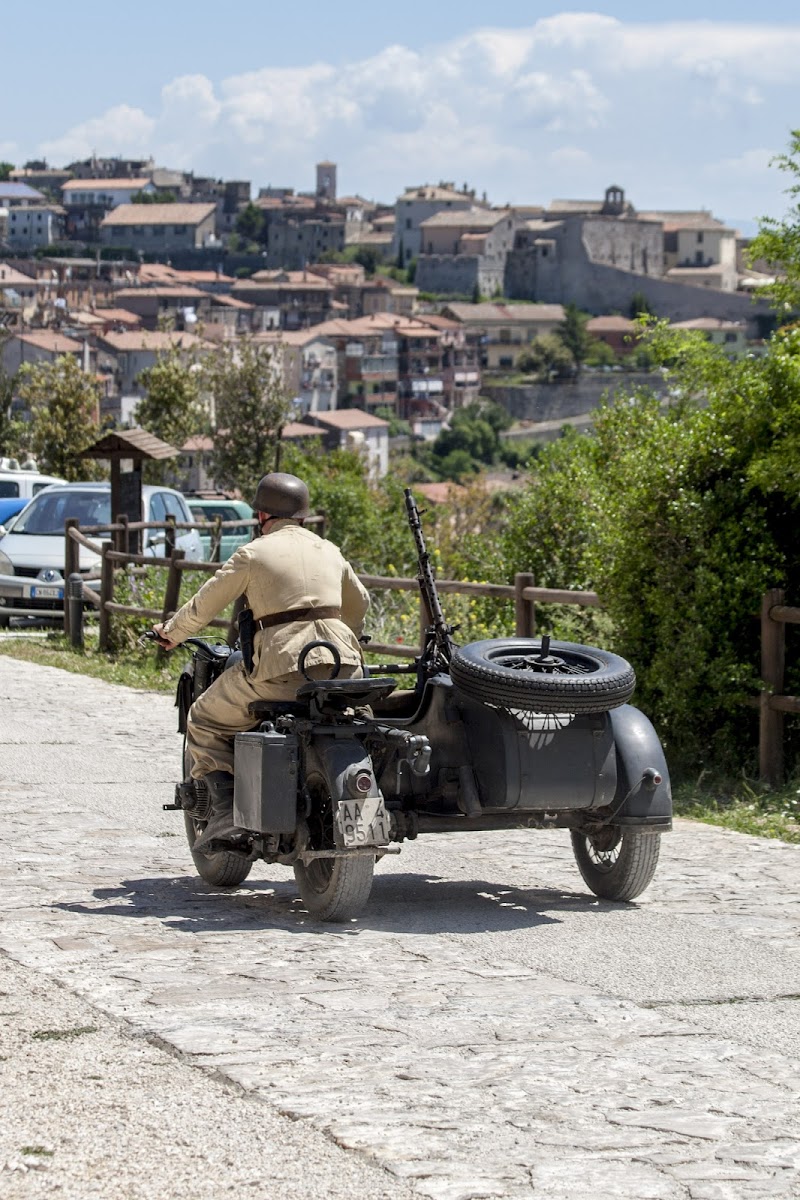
{"x": 324, "y": 613}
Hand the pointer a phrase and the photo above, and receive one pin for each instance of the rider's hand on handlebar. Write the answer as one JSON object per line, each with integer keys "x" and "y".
{"x": 162, "y": 639}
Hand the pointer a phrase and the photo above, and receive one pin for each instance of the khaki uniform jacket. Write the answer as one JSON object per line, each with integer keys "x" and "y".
{"x": 290, "y": 567}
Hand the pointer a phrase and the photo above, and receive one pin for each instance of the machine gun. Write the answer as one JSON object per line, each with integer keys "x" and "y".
{"x": 439, "y": 643}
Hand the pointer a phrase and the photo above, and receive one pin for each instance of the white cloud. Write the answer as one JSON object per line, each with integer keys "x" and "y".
{"x": 121, "y": 130}
{"x": 643, "y": 103}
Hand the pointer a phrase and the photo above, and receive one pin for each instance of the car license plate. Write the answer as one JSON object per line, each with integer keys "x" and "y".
{"x": 47, "y": 593}
{"x": 364, "y": 822}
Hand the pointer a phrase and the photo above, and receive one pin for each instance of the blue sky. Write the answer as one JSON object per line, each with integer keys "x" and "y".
{"x": 682, "y": 105}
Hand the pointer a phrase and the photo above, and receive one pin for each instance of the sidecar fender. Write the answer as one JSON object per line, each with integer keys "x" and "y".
{"x": 643, "y": 787}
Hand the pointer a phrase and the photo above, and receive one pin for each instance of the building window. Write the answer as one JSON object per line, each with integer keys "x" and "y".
{"x": 699, "y": 238}
{"x": 408, "y": 222}
{"x": 179, "y": 229}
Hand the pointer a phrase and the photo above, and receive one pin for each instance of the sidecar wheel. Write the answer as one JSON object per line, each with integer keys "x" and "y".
{"x": 617, "y": 864}
{"x": 538, "y": 675}
{"x": 221, "y": 869}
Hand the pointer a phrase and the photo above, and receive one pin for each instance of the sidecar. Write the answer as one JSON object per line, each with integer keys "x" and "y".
{"x": 529, "y": 733}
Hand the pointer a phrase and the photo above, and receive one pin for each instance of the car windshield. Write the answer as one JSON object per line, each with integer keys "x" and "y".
{"x": 49, "y": 510}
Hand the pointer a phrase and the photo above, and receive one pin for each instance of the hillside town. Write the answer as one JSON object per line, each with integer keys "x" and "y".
{"x": 406, "y": 310}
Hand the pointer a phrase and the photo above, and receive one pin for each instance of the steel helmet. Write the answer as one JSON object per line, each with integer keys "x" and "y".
{"x": 281, "y": 495}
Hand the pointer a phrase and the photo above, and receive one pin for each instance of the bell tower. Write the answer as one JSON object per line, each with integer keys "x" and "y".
{"x": 326, "y": 180}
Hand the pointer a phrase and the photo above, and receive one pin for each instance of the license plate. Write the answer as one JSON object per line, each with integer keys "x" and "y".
{"x": 364, "y": 822}
{"x": 47, "y": 593}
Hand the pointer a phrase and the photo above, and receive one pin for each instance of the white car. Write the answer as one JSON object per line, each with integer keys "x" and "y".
{"x": 32, "y": 544}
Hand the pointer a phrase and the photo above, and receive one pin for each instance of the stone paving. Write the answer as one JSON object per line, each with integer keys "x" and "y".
{"x": 485, "y": 1029}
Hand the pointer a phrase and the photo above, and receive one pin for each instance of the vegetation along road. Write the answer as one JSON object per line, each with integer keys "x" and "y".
{"x": 487, "y": 1028}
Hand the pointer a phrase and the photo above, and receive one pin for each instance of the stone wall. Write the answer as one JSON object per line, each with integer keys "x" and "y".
{"x": 568, "y": 398}
{"x": 569, "y": 276}
{"x": 457, "y": 274}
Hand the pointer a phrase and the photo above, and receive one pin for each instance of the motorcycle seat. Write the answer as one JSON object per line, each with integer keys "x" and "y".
{"x": 346, "y": 692}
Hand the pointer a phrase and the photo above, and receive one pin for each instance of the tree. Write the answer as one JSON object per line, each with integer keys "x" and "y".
{"x": 547, "y": 358}
{"x": 157, "y": 197}
{"x": 251, "y": 406}
{"x": 778, "y": 241}
{"x": 64, "y": 403}
{"x": 250, "y": 222}
{"x": 172, "y": 408}
{"x": 640, "y": 305}
{"x": 11, "y": 428}
{"x": 5, "y": 171}
{"x": 573, "y": 334}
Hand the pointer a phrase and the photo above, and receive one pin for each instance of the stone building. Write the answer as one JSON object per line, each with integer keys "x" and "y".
{"x": 159, "y": 228}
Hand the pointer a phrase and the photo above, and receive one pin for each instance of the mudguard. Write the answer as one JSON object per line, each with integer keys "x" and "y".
{"x": 640, "y": 762}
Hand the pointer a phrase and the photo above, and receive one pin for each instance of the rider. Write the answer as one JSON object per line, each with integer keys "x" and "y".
{"x": 300, "y": 589}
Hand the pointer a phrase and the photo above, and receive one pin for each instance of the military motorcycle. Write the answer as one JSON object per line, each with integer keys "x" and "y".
{"x": 501, "y": 734}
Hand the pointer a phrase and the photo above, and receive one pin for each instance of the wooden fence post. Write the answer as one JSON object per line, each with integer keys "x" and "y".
{"x": 173, "y": 590}
{"x": 169, "y": 536}
{"x": 524, "y": 611}
{"x": 216, "y": 540}
{"x": 106, "y": 595}
{"x": 172, "y": 593}
{"x": 773, "y": 656}
{"x": 71, "y": 553}
{"x": 122, "y": 536}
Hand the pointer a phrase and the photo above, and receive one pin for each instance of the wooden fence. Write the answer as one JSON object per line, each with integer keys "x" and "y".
{"x": 775, "y": 616}
{"x": 115, "y": 555}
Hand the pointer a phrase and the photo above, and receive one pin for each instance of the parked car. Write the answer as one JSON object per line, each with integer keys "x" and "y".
{"x": 32, "y": 543}
{"x": 208, "y": 509}
{"x": 18, "y": 485}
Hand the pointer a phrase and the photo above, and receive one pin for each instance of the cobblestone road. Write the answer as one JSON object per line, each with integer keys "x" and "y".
{"x": 485, "y": 1029}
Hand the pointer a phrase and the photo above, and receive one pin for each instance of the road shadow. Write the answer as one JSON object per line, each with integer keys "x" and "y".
{"x": 400, "y": 903}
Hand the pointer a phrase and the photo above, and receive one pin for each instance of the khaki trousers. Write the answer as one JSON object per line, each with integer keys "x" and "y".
{"x": 221, "y": 711}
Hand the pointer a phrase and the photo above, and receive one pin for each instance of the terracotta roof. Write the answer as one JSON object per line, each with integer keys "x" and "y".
{"x": 165, "y": 291}
{"x": 481, "y": 217}
{"x": 96, "y": 185}
{"x": 198, "y": 442}
{"x": 45, "y": 339}
{"x": 158, "y": 214}
{"x": 297, "y": 429}
{"x": 119, "y": 316}
{"x": 230, "y": 302}
{"x": 152, "y": 339}
{"x": 11, "y": 277}
{"x": 350, "y": 418}
{"x": 610, "y": 324}
{"x": 505, "y": 314}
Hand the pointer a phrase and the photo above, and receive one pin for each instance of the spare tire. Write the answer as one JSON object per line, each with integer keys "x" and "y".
{"x": 537, "y": 675}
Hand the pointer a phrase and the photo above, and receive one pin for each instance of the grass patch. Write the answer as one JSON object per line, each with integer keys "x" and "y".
{"x": 60, "y": 1035}
{"x": 141, "y": 670}
{"x": 744, "y": 805}
{"x": 41, "y": 1151}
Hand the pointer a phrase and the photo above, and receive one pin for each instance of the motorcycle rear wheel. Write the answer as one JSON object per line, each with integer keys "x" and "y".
{"x": 335, "y": 889}
{"x": 332, "y": 889}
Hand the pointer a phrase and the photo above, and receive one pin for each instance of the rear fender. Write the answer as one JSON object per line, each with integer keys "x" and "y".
{"x": 640, "y": 764}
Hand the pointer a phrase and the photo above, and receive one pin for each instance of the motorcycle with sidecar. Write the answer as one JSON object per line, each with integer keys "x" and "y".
{"x": 501, "y": 734}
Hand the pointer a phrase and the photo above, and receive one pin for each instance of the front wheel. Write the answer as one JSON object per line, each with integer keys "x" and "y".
{"x": 221, "y": 869}
{"x": 616, "y": 863}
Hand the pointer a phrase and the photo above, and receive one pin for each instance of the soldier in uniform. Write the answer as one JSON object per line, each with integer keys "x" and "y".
{"x": 300, "y": 589}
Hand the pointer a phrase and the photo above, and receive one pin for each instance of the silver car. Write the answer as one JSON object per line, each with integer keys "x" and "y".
{"x": 32, "y": 543}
